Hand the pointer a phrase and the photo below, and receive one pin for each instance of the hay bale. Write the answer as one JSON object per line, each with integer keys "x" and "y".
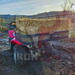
{"x": 35, "y": 26}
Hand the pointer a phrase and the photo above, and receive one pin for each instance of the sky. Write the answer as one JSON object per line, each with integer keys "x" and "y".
{"x": 29, "y": 7}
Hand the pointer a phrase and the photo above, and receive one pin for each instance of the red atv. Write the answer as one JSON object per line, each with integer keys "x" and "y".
{"x": 20, "y": 43}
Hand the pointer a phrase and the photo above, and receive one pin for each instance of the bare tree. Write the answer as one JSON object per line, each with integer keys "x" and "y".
{"x": 67, "y": 5}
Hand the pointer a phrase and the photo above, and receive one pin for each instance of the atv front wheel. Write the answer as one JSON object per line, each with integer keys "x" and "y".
{"x": 10, "y": 45}
{"x": 17, "y": 49}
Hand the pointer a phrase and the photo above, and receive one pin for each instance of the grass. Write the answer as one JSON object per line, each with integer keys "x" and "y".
{"x": 4, "y": 32}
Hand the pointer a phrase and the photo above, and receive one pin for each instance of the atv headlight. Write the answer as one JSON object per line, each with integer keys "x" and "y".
{"x": 13, "y": 33}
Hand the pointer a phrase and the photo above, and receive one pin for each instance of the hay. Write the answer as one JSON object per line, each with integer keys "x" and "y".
{"x": 35, "y": 26}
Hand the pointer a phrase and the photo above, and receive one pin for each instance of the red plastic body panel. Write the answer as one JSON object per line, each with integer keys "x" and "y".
{"x": 15, "y": 41}
{"x": 11, "y": 33}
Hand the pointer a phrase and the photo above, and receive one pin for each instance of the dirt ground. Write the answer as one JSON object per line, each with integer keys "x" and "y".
{"x": 55, "y": 67}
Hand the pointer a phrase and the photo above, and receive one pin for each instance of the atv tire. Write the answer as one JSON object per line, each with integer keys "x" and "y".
{"x": 10, "y": 45}
{"x": 16, "y": 50}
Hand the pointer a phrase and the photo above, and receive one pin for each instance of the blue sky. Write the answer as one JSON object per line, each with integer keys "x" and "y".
{"x": 29, "y": 7}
